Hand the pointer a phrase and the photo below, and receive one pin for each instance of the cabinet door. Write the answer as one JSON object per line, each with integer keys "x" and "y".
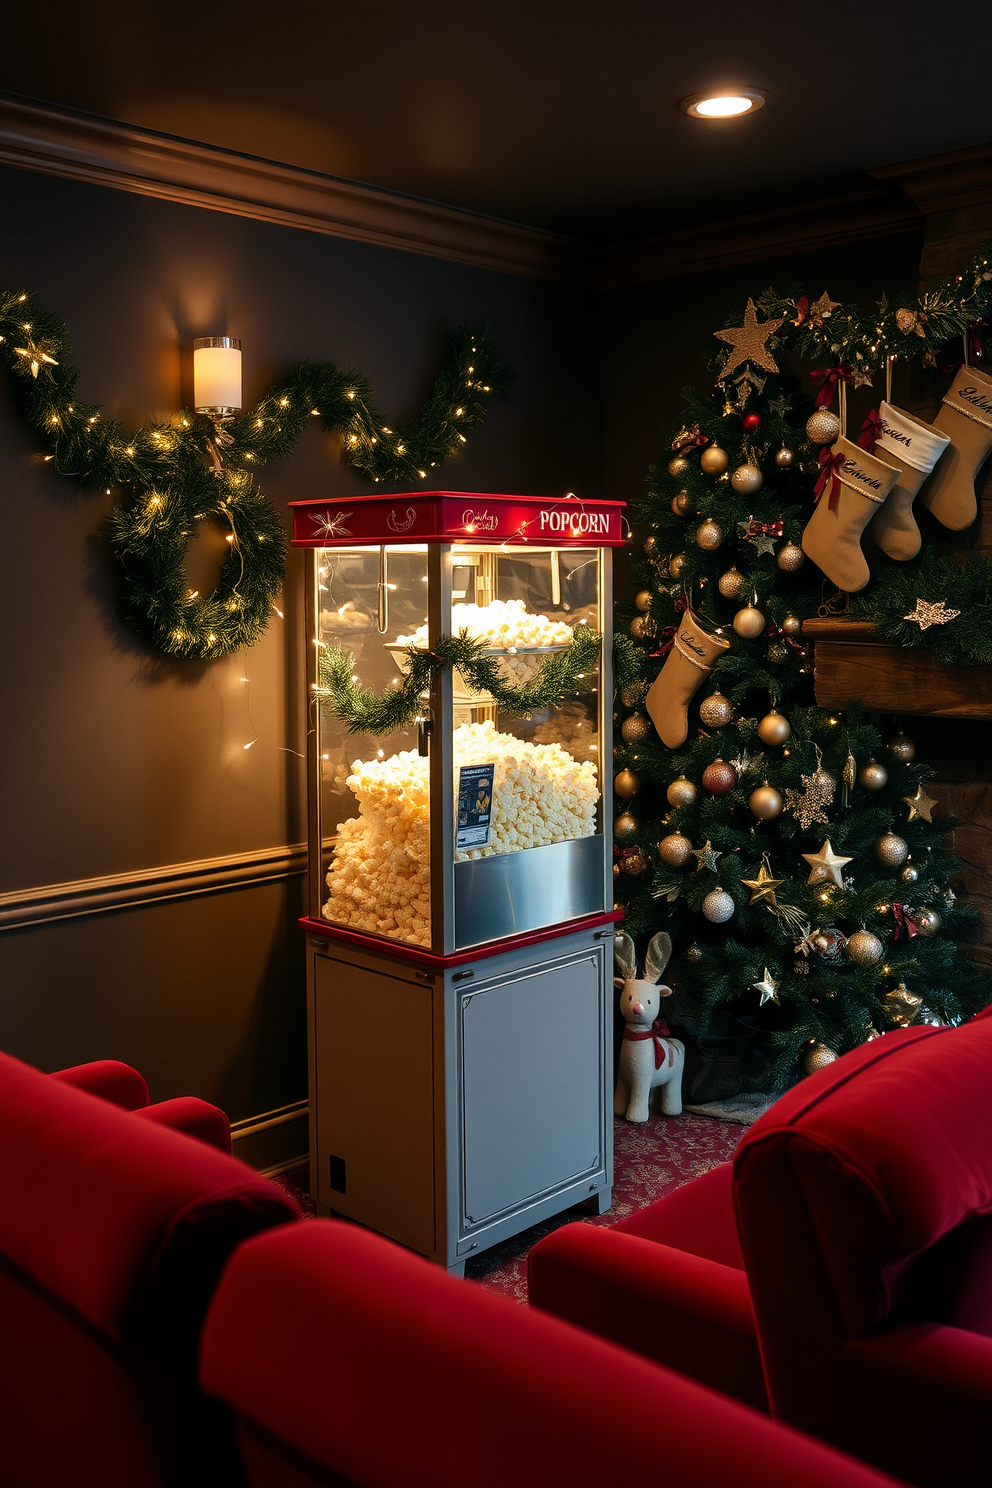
{"x": 532, "y": 1085}
{"x": 375, "y": 1100}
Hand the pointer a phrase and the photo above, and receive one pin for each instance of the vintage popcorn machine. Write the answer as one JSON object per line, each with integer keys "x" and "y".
{"x": 460, "y": 920}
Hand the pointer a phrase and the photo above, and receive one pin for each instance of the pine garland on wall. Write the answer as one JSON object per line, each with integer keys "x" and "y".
{"x": 173, "y": 474}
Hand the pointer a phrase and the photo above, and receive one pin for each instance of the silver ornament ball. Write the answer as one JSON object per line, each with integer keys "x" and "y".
{"x": 718, "y": 907}
{"x": 716, "y": 711}
{"x": 891, "y": 850}
{"x": 910, "y": 873}
{"x": 928, "y": 921}
{"x": 822, "y": 427}
{"x": 681, "y": 792}
{"x": 873, "y": 776}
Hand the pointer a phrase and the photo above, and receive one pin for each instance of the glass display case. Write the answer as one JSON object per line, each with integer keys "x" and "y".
{"x": 459, "y": 753}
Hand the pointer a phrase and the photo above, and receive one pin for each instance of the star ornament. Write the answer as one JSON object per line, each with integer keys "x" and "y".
{"x": 768, "y": 988}
{"x": 35, "y": 357}
{"x": 763, "y": 887}
{"x": 826, "y": 865}
{"x": 926, "y": 614}
{"x": 747, "y": 342}
{"x": 822, "y": 309}
{"x": 707, "y": 857}
{"x": 921, "y": 805}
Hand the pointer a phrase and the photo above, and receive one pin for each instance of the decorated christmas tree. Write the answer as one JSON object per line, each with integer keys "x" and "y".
{"x": 794, "y": 854}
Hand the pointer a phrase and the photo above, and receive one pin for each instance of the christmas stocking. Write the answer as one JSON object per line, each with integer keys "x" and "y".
{"x": 694, "y": 652}
{"x": 914, "y": 449}
{"x": 851, "y": 488}
{"x": 966, "y": 417}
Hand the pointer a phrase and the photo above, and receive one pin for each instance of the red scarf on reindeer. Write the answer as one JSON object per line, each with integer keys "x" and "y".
{"x": 658, "y": 1031}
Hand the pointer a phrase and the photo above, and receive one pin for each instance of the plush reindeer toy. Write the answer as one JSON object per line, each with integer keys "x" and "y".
{"x": 649, "y": 1056}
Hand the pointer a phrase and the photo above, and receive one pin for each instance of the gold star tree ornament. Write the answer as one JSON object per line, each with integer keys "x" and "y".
{"x": 763, "y": 887}
{"x": 747, "y": 342}
{"x": 921, "y": 805}
{"x": 926, "y": 613}
{"x": 826, "y": 866}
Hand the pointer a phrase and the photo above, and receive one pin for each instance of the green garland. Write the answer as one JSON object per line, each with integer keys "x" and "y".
{"x": 959, "y": 633}
{"x": 168, "y": 487}
{"x": 367, "y": 712}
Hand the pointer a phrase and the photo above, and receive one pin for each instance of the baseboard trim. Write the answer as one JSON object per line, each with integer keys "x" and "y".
{"x": 276, "y": 1141}
{"x": 45, "y": 137}
{"x": 89, "y": 896}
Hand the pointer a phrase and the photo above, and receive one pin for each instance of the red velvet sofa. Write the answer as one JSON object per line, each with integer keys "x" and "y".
{"x": 862, "y": 1276}
{"x": 126, "y": 1088}
{"x": 349, "y": 1361}
{"x": 113, "y": 1232}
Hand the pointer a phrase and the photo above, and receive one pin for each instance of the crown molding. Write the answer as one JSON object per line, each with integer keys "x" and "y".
{"x": 58, "y": 141}
{"x": 943, "y": 183}
{"x": 876, "y": 212}
{"x": 89, "y": 896}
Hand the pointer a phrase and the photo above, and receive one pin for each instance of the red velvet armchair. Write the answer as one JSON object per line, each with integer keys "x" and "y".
{"x": 113, "y": 1233}
{"x": 349, "y": 1361}
{"x": 126, "y": 1088}
{"x": 864, "y": 1205}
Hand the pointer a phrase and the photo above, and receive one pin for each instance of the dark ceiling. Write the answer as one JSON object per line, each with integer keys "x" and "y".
{"x": 561, "y": 115}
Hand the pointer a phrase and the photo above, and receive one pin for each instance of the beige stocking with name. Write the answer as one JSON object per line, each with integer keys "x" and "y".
{"x": 914, "y": 449}
{"x": 966, "y": 417}
{"x": 851, "y": 488}
{"x": 694, "y": 652}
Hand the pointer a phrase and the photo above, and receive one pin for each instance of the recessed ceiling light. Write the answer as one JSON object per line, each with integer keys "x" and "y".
{"x": 729, "y": 103}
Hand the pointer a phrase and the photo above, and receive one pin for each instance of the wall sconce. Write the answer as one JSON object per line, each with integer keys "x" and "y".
{"x": 217, "y": 375}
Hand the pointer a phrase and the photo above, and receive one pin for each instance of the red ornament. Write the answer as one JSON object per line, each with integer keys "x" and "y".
{"x": 719, "y": 778}
{"x": 751, "y": 421}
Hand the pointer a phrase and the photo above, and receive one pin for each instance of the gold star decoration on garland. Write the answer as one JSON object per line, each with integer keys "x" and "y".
{"x": 763, "y": 887}
{"x": 747, "y": 342}
{"x": 35, "y": 357}
{"x": 921, "y": 805}
{"x": 825, "y": 866}
{"x": 707, "y": 857}
{"x": 768, "y": 987}
{"x": 926, "y": 613}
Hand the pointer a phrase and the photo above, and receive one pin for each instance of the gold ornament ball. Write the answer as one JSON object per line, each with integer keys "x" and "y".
{"x": 818, "y": 1058}
{"x": 710, "y": 535}
{"x": 714, "y": 460}
{"x": 784, "y": 457}
{"x": 682, "y": 504}
{"x": 674, "y": 849}
{"x": 626, "y": 784}
{"x": 718, "y": 907}
{"x": 825, "y": 781}
{"x": 617, "y": 870}
{"x": 719, "y": 778}
{"x": 641, "y": 627}
{"x": 928, "y": 921}
{"x": 676, "y": 564}
{"x": 790, "y": 557}
{"x": 634, "y": 863}
{"x": 692, "y": 953}
{"x": 643, "y": 600}
{"x": 678, "y": 466}
{"x": 765, "y": 802}
{"x": 774, "y": 728}
{"x": 891, "y": 850}
{"x": 731, "y": 583}
{"x": 902, "y": 747}
{"x": 746, "y": 480}
{"x": 777, "y": 653}
{"x": 749, "y": 622}
{"x": 635, "y": 729}
{"x": 634, "y": 694}
{"x": 681, "y": 792}
{"x": 651, "y": 545}
{"x": 792, "y": 625}
{"x": 822, "y": 427}
{"x": 864, "y": 948}
{"x": 625, "y": 827}
{"x": 716, "y": 711}
{"x": 910, "y": 873}
{"x": 873, "y": 775}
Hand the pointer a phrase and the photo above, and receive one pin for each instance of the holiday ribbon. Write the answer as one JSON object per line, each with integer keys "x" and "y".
{"x": 658, "y": 1031}
{"x": 873, "y": 428}
{"x": 826, "y": 379}
{"x": 830, "y": 463}
{"x": 776, "y": 634}
{"x": 954, "y": 358}
{"x": 904, "y": 925}
{"x": 766, "y": 529}
{"x": 802, "y": 310}
{"x": 694, "y": 440}
{"x": 667, "y": 636}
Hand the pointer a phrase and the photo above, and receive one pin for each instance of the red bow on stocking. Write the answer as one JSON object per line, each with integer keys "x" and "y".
{"x": 826, "y": 379}
{"x": 830, "y": 463}
{"x": 872, "y": 429}
{"x": 904, "y": 925}
{"x": 666, "y": 639}
{"x": 658, "y": 1031}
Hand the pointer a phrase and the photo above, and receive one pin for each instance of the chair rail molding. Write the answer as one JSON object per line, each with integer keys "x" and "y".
{"x": 88, "y": 896}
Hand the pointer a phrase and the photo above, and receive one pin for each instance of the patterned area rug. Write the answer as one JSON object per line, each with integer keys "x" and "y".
{"x": 649, "y": 1161}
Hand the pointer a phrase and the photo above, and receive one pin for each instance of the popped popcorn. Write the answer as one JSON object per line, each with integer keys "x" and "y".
{"x": 379, "y": 880}
{"x": 507, "y": 626}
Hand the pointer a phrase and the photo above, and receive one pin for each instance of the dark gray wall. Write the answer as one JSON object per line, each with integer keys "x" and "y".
{"x": 115, "y": 759}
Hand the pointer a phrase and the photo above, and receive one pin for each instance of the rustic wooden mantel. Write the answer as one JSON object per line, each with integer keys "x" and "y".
{"x": 852, "y": 662}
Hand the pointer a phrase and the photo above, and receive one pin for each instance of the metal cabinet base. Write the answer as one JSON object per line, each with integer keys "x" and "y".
{"x": 451, "y": 1109}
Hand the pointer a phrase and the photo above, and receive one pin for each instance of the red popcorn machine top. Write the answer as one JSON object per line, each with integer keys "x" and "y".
{"x": 460, "y": 877}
